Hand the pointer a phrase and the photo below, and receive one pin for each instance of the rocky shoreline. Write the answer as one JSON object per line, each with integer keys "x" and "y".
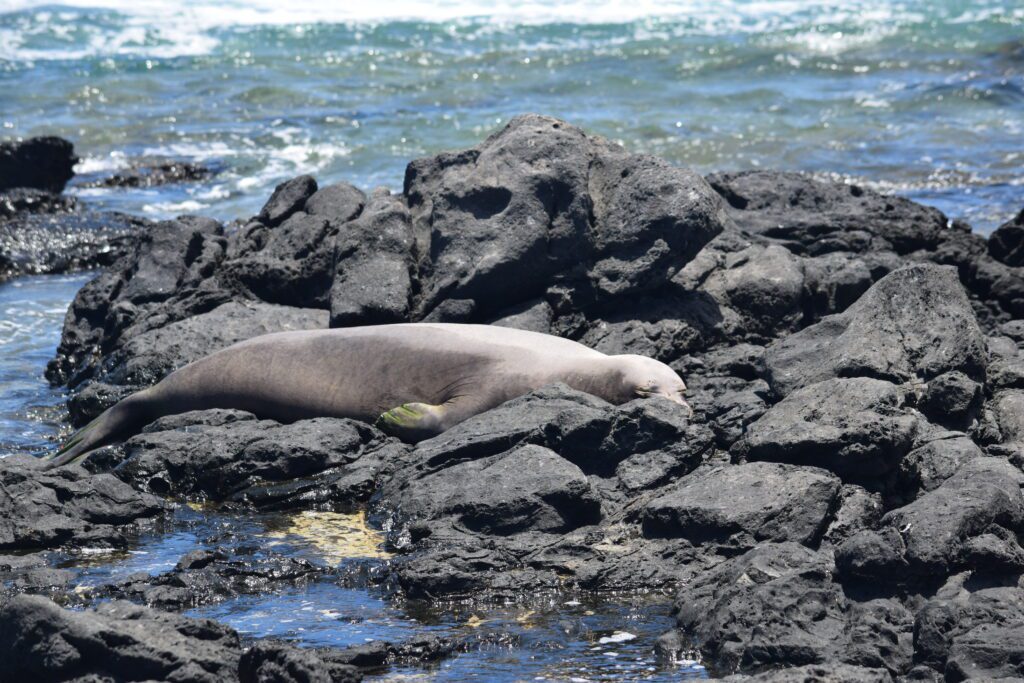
{"x": 845, "y": 503}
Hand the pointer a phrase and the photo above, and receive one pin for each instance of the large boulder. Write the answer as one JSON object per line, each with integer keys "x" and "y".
{"x": 540, "y": 204}
{"x": 527, "y": 488}
{"x": 815, "y": 217}
{"x": 743, "y": 505}
{"x": 373, "y": 273}
{"x": 972, "y": 521}
{"x": 914, "y": 324}
{"x": 44, "y": 163}
{"x": 776, "y": 606}
{"x": 227, "y": 455}
{"x": 857, "y": 428}
{"x": 68, "y": 506}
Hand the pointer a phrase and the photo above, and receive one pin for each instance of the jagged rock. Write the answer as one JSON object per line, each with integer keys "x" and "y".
{"x": 43, "y": 232}
{"x": 926, "y": 467}
{"x": 951, "y": 399}
{"x": 913, "y": 324}
{"x": 528, "y": 487}
{"x": 1006, "y": 244}
{"x": 204, "y": 577}
{"x": 858, "y": 509}
{"x": 283, "y": 663}
{"x": 43, "y": 163}
{"x": 968, "y": 522}
{"x": 776, "y": 606}
{"x": 156, "y": 284}
{"x": 987, "y": 652}
{"x": 46, "y": 509}
{"x": 856, "y": 428}
{"x": 373, "y": 254}
{"x": 817, "y": 673}
{"x": 288, "y": 197}
{"x": 743, "y": 505}
{"x": 956, "y": 610}
{"x": 816, "y": 217}
{"x": 152, "y": 355}
{"x": 120, "y": 641}
{"x": 153, "y": 174}
{"x": 231, "y": 456}
{"x": 540, "y": 203}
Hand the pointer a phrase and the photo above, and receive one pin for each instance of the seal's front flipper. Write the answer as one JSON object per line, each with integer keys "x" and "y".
{"x": 412, "y": 422}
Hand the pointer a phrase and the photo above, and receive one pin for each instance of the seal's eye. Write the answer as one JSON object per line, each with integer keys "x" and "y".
{"x": 645, "y": 390}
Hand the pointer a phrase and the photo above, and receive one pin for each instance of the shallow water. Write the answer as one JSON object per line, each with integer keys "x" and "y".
{"x": 31, "y": 313}
{"x": 920, "y": 97}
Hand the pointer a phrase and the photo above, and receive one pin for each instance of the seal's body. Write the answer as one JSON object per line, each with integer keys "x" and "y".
{"x": 414, "y": 380}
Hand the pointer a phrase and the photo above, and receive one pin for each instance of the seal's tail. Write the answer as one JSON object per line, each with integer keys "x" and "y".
{"x": 117, "y": 422}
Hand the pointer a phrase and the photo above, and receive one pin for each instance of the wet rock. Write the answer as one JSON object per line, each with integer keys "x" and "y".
{"x": 915, "y": 323}
{"x": 43, "y": 163}
{"x": 288, "y": 197}
{"x": 153, "y": 174}
{"x": 372, "y": 281}
{"x": 121, "y": 641}
{"x": 968, "y": 522}
{"x": 231, "y": 456}
{"x": 743, "y": 505}
{"x": 204, "y": 577}
{"x": 69, "y": 506}
{"x": 47, "y": 233}
{"x": 856, "y": 428}
{"x": 540, "y": 203}
{"x": 1006, "y": 244}
{"x": 267, "y": 662}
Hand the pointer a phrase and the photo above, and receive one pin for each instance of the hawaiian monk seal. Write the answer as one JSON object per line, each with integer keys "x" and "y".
{"x": 413, "y": 380}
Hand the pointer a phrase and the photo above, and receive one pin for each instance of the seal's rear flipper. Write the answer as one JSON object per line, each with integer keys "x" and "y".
{"x": 120, "y": 421}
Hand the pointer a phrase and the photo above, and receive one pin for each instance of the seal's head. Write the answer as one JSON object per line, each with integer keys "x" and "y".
{"x": 640, "y": 377}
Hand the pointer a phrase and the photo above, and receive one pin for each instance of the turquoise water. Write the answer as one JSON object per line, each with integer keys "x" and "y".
{"x": 920, "y": 97}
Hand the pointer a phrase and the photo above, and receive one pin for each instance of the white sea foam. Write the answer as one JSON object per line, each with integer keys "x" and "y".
{"x": 171, "y": 28}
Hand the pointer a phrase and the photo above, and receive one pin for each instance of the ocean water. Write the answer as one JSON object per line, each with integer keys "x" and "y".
{"x": 920, "y": 97}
